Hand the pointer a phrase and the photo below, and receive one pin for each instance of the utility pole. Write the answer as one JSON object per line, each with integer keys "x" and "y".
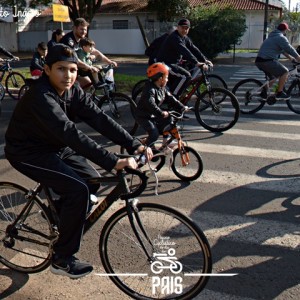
{"x": 266, "y": 19}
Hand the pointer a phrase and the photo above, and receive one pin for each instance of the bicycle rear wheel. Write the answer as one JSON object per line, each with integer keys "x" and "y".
{"x": 133, "y": 272}
{"x": 137, "y": 88}
{"x": 217, "y": 110}
{"x": 120, "y": 107}
{"x": 294, "y": 91}
{"x": 25, "y": 238}
{"x": 248, "y": 93}
{"x": 187, "y": 163}
{"x": 14, "y": 81}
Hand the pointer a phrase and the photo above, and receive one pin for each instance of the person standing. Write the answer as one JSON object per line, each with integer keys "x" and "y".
{"x": 38, "y": 60}
{"x": 267, "y": 59}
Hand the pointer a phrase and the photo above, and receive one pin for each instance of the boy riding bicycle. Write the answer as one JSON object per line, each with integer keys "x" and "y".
{"x": 151, "y": 112}
{"x": 44, "y": 143}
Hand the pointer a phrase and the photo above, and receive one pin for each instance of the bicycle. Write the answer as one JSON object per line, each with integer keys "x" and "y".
{"x": 216, "y": 108}
{"x": 117, "y": 105}
{"x": 185, "y": 162}
{"x": 214, "y": 79}
{"x": 128, "y": 244}
{"x": 14, "y": 80}
{"x": 254, "y": 94}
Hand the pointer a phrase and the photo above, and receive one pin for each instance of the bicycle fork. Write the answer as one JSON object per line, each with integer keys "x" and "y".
{"x": 138, "y": 228}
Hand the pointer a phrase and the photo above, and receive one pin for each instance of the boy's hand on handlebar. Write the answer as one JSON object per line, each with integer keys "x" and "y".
{"x": 126, "y": 162}
{"x": 147, "y": 151}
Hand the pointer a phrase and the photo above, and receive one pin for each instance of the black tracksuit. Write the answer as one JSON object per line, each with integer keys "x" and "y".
{"x": 44, "y": 143}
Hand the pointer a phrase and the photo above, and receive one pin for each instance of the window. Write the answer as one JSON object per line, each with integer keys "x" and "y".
{"x": 120, "y": 24}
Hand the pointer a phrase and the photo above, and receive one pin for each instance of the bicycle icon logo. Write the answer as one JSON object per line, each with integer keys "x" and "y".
{"x": 166, "y": 261}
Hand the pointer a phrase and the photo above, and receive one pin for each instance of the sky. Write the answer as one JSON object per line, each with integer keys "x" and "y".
{"x": 293, "y": 3}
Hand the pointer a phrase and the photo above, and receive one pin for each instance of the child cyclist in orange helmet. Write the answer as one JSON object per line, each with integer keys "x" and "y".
{"x": 154, "y": 103}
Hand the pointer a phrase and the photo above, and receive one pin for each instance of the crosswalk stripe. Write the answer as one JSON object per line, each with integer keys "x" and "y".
{"x": 244, "y": 151}
{"x": 233, "y": 179}
{"x": 247, "y": 229}
{"x": 271, "y": 135}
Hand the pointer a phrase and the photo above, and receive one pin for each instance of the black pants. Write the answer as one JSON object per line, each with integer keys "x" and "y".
{"x": 65, "y": 174}
{"x": 153, "y": 126}
{"x": 178, "y": 79}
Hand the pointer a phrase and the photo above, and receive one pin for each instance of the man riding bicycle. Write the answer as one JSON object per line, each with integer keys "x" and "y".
{"x": 179, "y": 46}
{"x": 269, "y": 54}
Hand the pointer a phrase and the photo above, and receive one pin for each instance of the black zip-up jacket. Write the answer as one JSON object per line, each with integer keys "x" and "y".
{"x": 37, "y": 62}
{"x": 154, "y": 100}
{"x": 43, "y": 122}
{"x": 176, "y": 47}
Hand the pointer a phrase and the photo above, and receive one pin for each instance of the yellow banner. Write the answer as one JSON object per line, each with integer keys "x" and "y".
{"x": 60, "y": 13}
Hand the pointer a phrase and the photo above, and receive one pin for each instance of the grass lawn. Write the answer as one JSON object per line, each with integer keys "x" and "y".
{"x": 124, "y": 82}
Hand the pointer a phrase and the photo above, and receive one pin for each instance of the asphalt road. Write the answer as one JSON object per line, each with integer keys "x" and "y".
{"x": 247, "y": 202}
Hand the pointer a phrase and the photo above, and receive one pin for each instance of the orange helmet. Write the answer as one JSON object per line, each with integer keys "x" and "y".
{"x": 157, "y": 70}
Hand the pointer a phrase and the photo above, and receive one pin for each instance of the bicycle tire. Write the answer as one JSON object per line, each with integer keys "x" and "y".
{"x": 220, "y": 117}
{"x": 137, "y": 88}
{"x": 2, "y": 91}
{"x": 187, "y": 163}
{"x": 294, "y": 91}
{"x": 14, "y": 81}
{"x": 250, "y": 103}
{"x": 215, "y": 80}
{"x": 121, "y": 252}
{"x": 27, "y": 248}
{"x": 121, "y": 109}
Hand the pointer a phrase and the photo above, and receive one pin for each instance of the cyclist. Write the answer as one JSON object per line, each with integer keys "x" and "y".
{"x": 72, "y": 39}
{"x": 44, "y": 143}
{"x": 267, "y": 59}
{"x": 57, "y": 35}
{"x": 38, "y": 60}
{"x": 7, "y": 53}
{"x": 153, "y": 48}
{"x": 178, "y": 46}
{"x": 151, "y": 112}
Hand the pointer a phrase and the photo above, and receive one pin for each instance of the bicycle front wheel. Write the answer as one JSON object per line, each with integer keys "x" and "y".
{"x": 216, "y": 81}
{"x": 249, "y": 95}
{"x": 25, "y": 238}
{"x": 13, "y": 83}
{"x": 294, "y": 91}
{"x": 187, "y": 163}
{"x": 217, "y": 110}
{"x": 163, "y": 231}
{"x": 120, "y": 107}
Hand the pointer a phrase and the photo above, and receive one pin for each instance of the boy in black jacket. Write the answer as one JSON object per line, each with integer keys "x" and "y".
{"x": 151, "y": 112}
{"x": 44, "y": 143}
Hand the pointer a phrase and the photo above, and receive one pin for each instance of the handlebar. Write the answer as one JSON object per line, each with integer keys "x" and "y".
{"x": 143, "y": 177}
{"x": 8, "y": 60}
{"x": 178, "y": 115}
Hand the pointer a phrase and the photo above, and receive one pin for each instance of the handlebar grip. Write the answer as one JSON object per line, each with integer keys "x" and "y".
{"x": 142, "y": 186}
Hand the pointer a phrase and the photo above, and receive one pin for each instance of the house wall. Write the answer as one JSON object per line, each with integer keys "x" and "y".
{"x": 8, "y": 36}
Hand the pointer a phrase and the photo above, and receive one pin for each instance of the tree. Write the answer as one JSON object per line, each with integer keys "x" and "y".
{"x": 170, "y": 9}
{"x": 215, "y": 30}
{"x": 77, "y": 8}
